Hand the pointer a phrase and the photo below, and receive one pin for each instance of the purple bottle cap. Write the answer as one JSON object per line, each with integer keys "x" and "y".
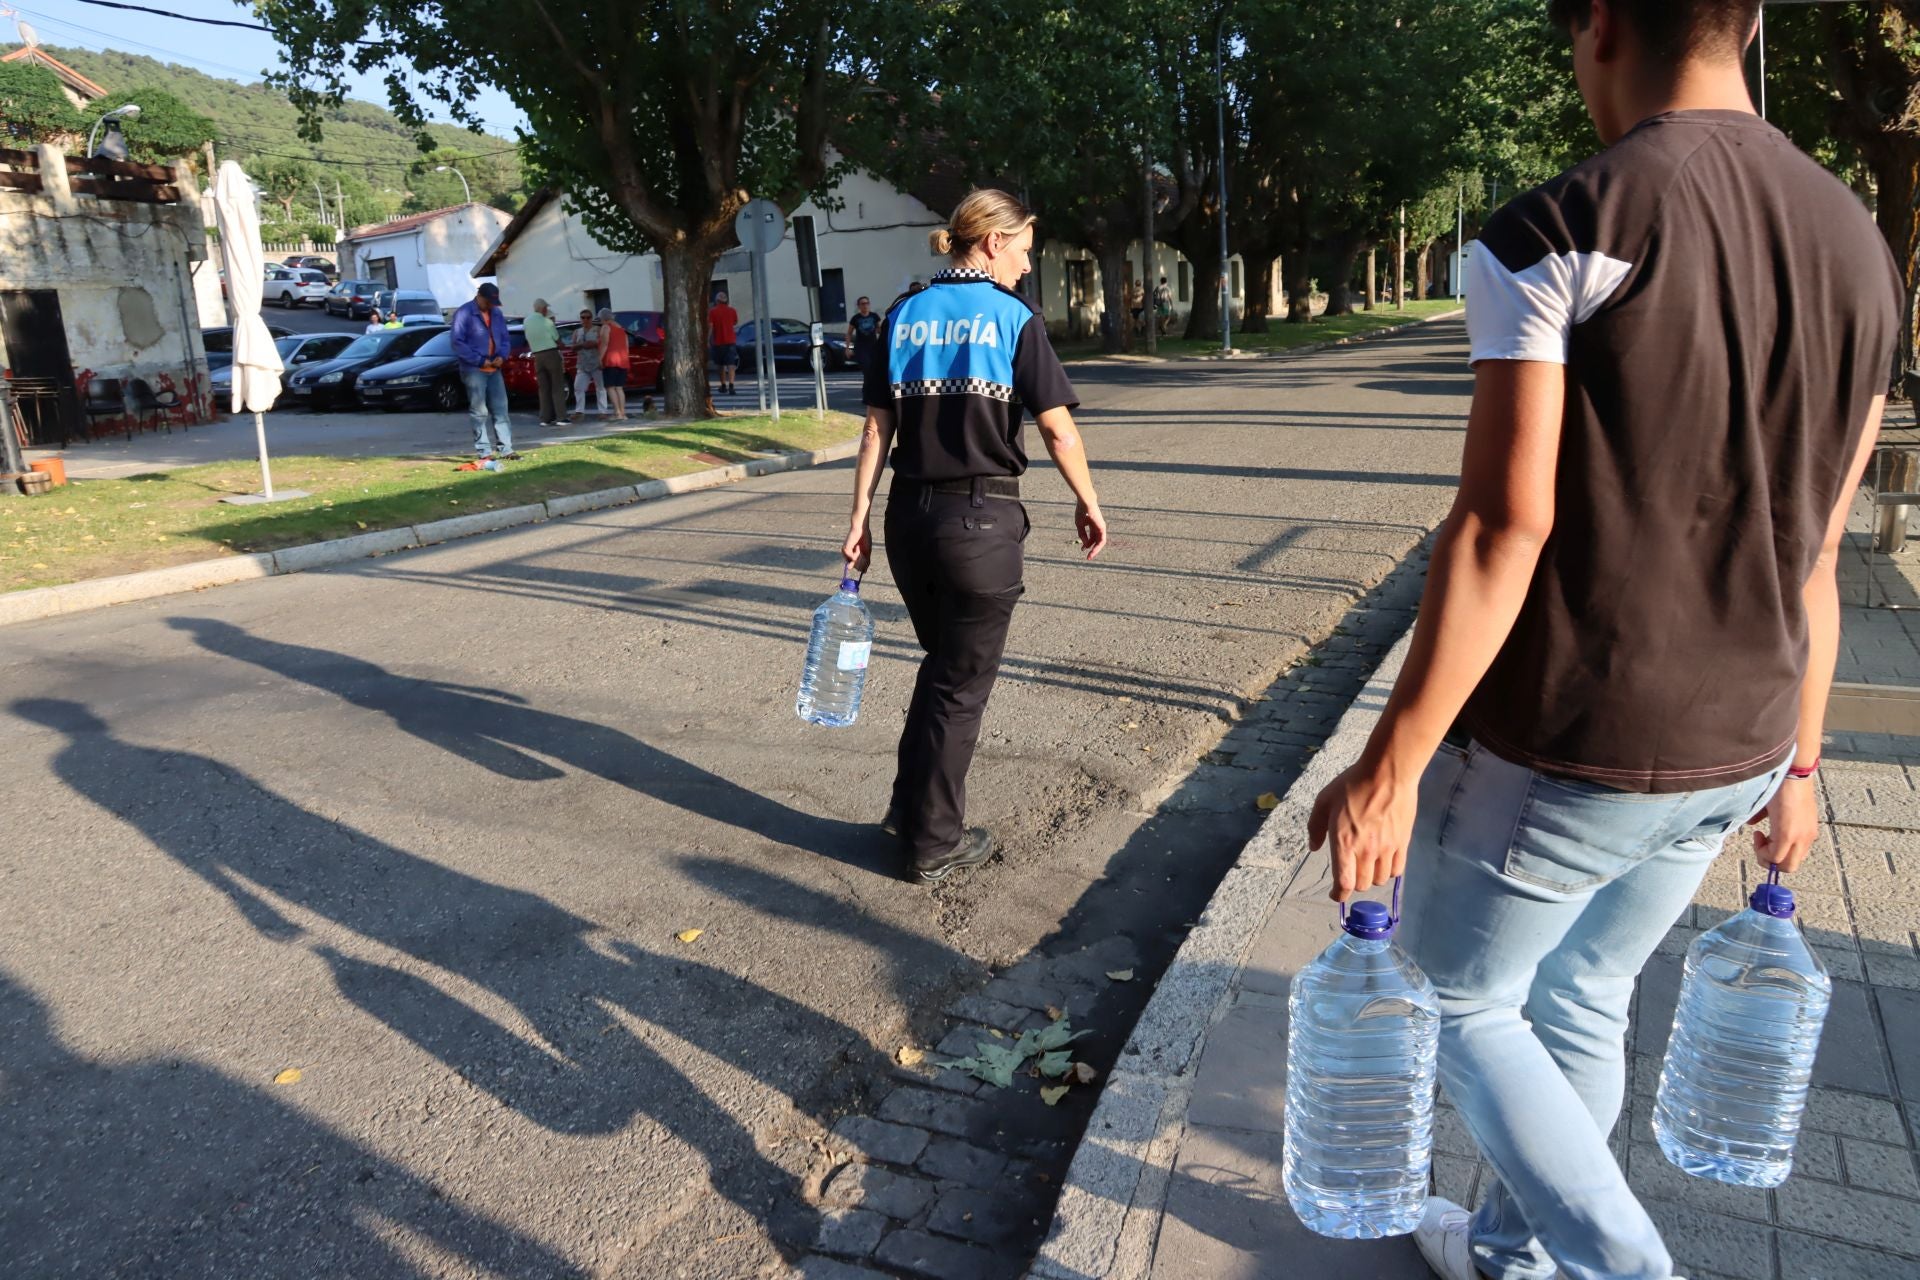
{"x": 1368, "y": 919}
{"x": 1772, "y": 900}
{"x": 848, "y": 584}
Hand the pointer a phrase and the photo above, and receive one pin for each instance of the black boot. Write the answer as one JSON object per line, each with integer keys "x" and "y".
{"x": 975, "y": 847}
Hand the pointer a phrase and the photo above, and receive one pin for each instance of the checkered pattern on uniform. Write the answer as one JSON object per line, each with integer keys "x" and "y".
{"x": 954, "y": 387}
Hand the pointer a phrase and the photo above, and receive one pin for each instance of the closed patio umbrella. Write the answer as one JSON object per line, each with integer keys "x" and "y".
{"x": 256, "y": 362}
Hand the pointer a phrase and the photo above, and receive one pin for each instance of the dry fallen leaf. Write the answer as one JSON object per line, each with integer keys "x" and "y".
{"x": 1053, "y": 1093}
{"x": 997, "y": 1035}
{"x": 1055, "y": 1012}
{"x": 1120, "y": 975}
{"x": 1267, "y": 801}
{"x": 689, "y": 935}
{"x": 290, "y": 1076}
{"x": 908, "y": 1056}
{"x": 361, "y": 524}
{"x": 1081, "y": 1073}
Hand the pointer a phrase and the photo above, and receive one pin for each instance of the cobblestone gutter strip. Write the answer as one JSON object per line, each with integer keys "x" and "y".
{"x": 95, "y": 593}
{"x": 1282, "y": 354}
{"x": 1113, "y": 1198}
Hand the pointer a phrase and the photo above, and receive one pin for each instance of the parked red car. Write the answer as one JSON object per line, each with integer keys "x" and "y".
{"x": 646, "y": 355}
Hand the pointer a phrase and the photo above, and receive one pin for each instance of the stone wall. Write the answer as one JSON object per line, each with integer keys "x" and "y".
{"x": 122, "y": 271}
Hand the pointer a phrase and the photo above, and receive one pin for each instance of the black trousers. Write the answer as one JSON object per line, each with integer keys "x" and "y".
{"x": 957, "y": 559}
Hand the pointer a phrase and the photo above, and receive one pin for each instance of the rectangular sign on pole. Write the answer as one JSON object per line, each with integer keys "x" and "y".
{"x": 807, "y": 247}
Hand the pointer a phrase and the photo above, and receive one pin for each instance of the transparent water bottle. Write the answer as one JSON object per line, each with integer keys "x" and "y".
{"x": 1362, "y": 1052}
{"x": 1734, "y": 1085}
{"x": 837, "y": 656}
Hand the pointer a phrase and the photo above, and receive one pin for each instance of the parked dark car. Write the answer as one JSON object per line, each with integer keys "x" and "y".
{"x": 429, "y": 377}
{"x": 791, "y": 346}
{"x": 335, "y": 383}
{"x": 414, "y": 306}
{"x": 351, "y": 298}
{"x": 296, "y": 352}
{"x": 219, "y": 343}
{"x": 314, "y": 261}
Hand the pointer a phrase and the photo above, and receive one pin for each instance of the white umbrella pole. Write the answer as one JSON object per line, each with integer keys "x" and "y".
{"x": 266, "y": 472}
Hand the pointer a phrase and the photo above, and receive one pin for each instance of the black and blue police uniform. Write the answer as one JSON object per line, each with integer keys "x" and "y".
{"x": 960, "y": 361}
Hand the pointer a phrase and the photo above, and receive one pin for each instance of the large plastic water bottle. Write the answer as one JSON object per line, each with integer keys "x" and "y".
{"x": 1734, "y": 1085}
{"x": 1362, "y": 1051}
{"x": 837, "y": 656}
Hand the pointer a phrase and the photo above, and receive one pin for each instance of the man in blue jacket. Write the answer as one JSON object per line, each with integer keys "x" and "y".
{"x": 481, "y": 342}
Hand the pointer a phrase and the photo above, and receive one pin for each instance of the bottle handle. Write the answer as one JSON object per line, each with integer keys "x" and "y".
{"x": 1393, "y": 912}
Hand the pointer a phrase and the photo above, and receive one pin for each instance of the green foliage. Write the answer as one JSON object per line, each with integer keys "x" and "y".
{"x": 167, "y": 127}
{"x": 32, "y": 106}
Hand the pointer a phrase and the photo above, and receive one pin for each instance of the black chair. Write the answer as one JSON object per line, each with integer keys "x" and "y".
{"x": 106, "y": 398}
{"x": 148, "y": 405}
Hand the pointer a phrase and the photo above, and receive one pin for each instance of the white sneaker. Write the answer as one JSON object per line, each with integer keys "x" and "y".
{"x": 1445, "y": 1241}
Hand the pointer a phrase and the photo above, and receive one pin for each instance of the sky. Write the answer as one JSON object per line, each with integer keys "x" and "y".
{"x": 226, "y": 52}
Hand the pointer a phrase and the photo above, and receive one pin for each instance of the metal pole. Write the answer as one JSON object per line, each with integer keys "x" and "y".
{"x": 1400, "y": 266}
{"x": 266, "y": 472}
{"x": 1150, "y": 287}
{"x": 759, "y": 329}
{"x": 773, "y": 364}
{"x": 1220, "y": 126}
{"x": 1372, "y": 278}
{"x": 1459, "y": 239}
{"x": 1760, "y": 36}
{"x": 819, "y": 373}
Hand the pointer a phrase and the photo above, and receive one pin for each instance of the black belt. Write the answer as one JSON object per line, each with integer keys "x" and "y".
{"x": 989, "y": 486}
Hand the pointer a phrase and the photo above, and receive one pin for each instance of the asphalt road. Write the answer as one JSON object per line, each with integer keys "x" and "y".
{"x": 425, "y": 830}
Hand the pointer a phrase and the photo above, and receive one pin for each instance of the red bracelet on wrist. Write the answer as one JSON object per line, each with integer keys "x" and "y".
{"x": 1797, "y": 772}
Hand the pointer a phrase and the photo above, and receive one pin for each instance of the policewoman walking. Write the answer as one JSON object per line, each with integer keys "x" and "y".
{"x": 959, "y": 360}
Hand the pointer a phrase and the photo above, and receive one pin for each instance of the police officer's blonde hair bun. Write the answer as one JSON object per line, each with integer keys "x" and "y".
{"x": 983, "y": 213}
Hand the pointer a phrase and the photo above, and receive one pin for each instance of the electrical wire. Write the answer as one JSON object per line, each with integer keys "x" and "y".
{"x": 210, "y": 22}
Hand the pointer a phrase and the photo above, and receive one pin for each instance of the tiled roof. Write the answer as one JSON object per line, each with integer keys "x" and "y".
{"x": 407, "y": 223}
{"x": 68, "y": 76}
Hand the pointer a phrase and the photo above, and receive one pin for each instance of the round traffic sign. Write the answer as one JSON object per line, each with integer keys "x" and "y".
{"x": 761, "y": 226}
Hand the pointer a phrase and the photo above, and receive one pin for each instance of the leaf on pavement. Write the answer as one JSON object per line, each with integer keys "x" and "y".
{"x": 1052, "y": 1094}
{"x": 290, "y": 1076}
{"x": 1267, "y": 801}
{"x": 1055, "y": 1012}
{"x": 1054, "y": 1065}
{"x": 1120, "y": 975}
{"x": 1082, "y": 1074}
{"x": 689, "y": 935}
{"x": 908, "y": 1056}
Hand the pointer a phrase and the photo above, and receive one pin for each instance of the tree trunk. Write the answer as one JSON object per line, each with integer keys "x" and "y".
{"x": 686, "y": 270}
{"x": 1420, "y": 265}
{"x": 1199, "y": 240}
{"x": 1299, "y": 288}
{"x": 1116, "y": 331}
{"x": 1340, "y": 296}
{"x": 1259, "y": 286}
{"x": 1896, "y": 169}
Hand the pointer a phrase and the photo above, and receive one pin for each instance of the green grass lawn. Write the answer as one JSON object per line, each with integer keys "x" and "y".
{"x": 96, "y": 528}
{"x": 1279, "y": 335}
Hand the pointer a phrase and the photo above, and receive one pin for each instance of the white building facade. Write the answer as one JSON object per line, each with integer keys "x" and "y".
{"x": 872, "y": 243}
{"x": 435, "y": 252}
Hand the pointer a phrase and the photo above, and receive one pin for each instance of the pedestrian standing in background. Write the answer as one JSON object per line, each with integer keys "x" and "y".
{"x": 549, "y": 370}
{"x": 1137, "y": 305}
{"x": 1681, "y": 349}
{"x": 863, "y": 333}
{"x": 1163, "y": 304}
{"x": 959, "y": 361}
{"x": 481, "y": 342}
{"x": 613, "y": 363}
{"x": 375, "y": 321}
{"x": 586, "y": 366}
{"x": 723, "y": 329}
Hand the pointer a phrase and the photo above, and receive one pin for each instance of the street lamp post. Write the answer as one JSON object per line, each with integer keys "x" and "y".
{"x": 447, "y": 168}
{"x": 130, "y": 111}
{"x": 1220, "y": 126}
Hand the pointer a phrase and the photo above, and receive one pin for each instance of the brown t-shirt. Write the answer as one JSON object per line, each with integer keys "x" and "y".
{"x": 1726, "y": 311}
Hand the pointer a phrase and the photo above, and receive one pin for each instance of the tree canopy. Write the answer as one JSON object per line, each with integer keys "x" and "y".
{"x": 166, "y": 127}
{"x": 33, "y": 108}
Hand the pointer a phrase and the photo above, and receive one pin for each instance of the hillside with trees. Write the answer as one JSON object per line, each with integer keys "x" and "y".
{"x": 373, "y": 161}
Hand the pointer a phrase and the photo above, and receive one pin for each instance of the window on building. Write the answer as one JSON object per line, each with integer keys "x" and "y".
{"x": 1237, "y": 283}
{"x": 381, "y": 269}
{"x": 1186, "y": 282}
{"x": 599, "y": 300}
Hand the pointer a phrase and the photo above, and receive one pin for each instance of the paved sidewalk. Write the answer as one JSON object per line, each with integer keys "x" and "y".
{"x": 1180, "y": 1173}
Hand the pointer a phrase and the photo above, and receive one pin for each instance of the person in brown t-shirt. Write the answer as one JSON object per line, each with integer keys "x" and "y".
{"x": 1680, "y": 352}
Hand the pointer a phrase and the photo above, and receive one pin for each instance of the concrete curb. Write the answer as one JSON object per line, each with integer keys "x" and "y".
{"x": 96, "y": 593}
{"x": 1287, "y": 354}
{"x": 1108, "y": 1217}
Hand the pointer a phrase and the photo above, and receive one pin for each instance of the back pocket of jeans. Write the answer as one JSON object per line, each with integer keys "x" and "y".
{"x": 1572, "y": 836}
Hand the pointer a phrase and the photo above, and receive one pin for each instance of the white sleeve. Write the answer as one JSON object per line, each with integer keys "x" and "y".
{"x": 1528, "y": 315}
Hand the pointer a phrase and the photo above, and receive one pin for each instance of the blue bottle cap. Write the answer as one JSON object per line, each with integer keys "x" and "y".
{"x": 849, "y": 585}
{"x": 1368, "y": 919}
{"x": 1772, "y": 900}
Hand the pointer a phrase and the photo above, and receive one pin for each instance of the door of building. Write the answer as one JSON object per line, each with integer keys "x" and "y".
{"x": 833, "y": 296}
{"x": 40, "y": 365}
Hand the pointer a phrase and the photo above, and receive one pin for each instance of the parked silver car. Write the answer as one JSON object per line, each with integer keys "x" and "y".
{"x": 291, "y": 286}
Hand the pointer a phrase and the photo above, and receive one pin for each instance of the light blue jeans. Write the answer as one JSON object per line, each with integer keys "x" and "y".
{"x": 1533, "y": 901}
{"x": 487, "y": 395}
